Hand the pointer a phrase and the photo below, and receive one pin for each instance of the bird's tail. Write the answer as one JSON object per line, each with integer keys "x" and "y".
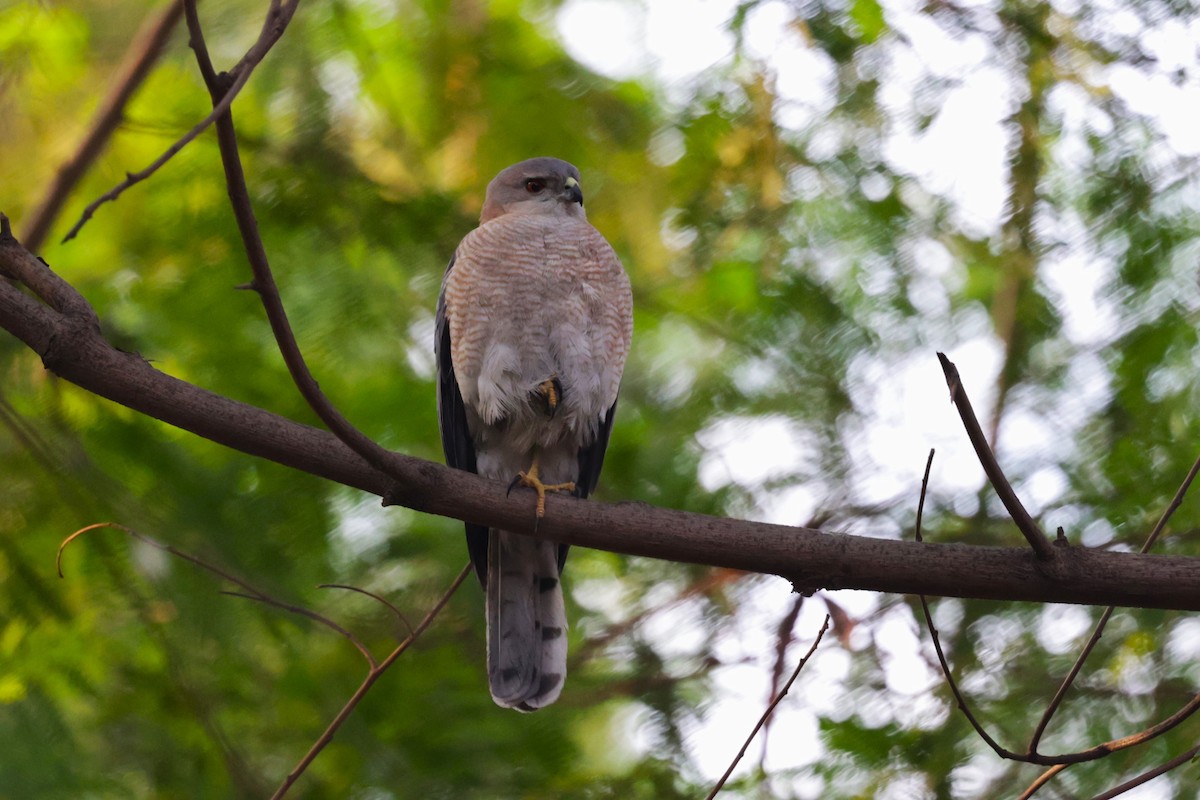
{"x": 526, "y": 622}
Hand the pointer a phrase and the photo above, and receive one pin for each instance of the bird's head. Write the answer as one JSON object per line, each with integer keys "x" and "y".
{"x": 547, "y": 186}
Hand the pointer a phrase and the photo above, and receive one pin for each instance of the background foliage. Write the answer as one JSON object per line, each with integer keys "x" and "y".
{"x": 791, "y": 265}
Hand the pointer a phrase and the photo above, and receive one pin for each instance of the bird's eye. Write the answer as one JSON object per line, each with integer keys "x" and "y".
{"x": 534, "y": 185}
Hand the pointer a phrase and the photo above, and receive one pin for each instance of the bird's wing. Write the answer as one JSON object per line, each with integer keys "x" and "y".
{"x": 591, "y": 459}
{"x": 591, "y": 455}
{"x": 452, "y": 419}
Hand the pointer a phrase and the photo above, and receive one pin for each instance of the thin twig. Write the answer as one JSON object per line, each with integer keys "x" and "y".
{"x": 278, "y": 16}
{"x": 375, "y": 674}
{"x": 1041, "y": 781}
{"x": 924, "y": 490}
{"x": 395, "y": 611}
{"x": 783, "y": 640}
{"x": 1056, "y": 701}
{"x": 256, "y": 253}
{"x": 1079, "y": 757}
{"x": 1052, "y": 708}
{"x": 762, "y": 720}
{"x": 933, "y": 632}
{"x": 1170, "y": 510}
{"x": 987, "y": 459}
{"x": 258, "y": 597}
{"x": 139, "y": 59}
{"x": 251, "y": 592}
{"x": 1149, "y": 775}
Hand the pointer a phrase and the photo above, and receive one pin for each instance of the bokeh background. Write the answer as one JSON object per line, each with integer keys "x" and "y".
{"x": 811, "y": 198}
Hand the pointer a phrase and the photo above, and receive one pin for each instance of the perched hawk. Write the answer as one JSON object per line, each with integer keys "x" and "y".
{"x": 533, "y": 326}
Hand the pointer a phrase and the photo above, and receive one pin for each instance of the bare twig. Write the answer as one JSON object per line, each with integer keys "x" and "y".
{"x": 249, "y": 593}
{"x": 375, "y": 671}
{"x": 1150, "y": 775}
{"x": 139, "y": 59}
{"x": 375, "y": 674}
{"x": 1078, "y": 757}
{"x": 1172, "y": 507}
{"x": 264, "y": 280}
{"x": 933, "y": 632}
{"x": 279, "y": 14}
{"x": 1031, "y": 757}
{"x": 1056, "y": 701}
{"x": 1052, "y": 708}
{"x": 762, "y": 720}
{"x": 1041, "y": 781}
{"x": 395, "y": 611}
{"x": 987, "y": 459}
{"x": 924, "y": 491}
{"x": 783, "y": 640}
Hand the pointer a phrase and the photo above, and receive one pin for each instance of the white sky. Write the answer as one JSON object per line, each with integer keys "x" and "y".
{"x": 960, "y": 156}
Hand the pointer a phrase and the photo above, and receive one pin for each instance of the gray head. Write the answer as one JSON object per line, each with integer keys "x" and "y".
{"x": 535, "y": 186}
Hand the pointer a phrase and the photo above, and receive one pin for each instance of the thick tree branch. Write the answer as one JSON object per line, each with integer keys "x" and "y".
{"x": 75, "y": 350}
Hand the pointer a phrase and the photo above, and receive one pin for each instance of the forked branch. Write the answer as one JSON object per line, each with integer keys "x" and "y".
{"x": 279, "y": 14}
{"x": 1057, "y": 763}
{"x": 256, "y": 253}
{"x": 143, "y": 52}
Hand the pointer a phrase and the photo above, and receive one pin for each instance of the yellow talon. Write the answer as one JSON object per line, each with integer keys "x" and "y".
{"x": 547, "y": 389}
{"x": 531, "y": 480}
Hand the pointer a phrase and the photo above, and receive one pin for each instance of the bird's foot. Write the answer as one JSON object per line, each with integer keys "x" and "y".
{"x": 549, "y": 394}
{"x": 531, "y": 480}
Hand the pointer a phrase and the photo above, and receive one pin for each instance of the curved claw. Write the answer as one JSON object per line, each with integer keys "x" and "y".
{"x": 549, "y": 394}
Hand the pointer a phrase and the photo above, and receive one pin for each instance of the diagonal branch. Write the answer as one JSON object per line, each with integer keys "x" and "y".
{"x": 1041, "y": 781}
{"x": 987, "y": 459}
{"x": 770, "y": 709}
{"x": 810, "y": 559}
{"x": 375, "y": 673}
{"x": 1150, "y": 775}
{"x": 143, "y": 52}
{"x": 278, "y": 16}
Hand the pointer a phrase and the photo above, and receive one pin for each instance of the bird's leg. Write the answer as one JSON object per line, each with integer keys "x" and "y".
{"x": 531, "y": 480}
{"x": 549, "y": 393}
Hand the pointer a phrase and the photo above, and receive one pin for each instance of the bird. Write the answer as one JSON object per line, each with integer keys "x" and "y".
{"x": 533, "y": 326}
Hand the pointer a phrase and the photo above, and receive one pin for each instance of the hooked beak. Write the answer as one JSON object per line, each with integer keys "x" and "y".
{"x": 574, "y": 192}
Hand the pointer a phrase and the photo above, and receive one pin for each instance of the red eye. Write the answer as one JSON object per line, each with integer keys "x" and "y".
{"x": 534, "y": 185}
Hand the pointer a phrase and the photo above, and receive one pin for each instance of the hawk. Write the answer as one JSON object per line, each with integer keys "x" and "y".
{"x": 533, "y": 327}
